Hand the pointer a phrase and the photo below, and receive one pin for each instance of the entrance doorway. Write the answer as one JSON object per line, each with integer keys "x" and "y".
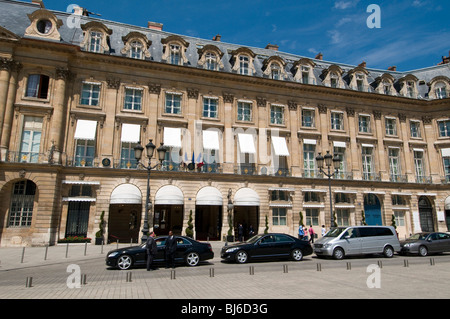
{"x": 372, "y": 210}
{"x": 123, "y": 222}
{"x": 426, "y": 214}
{"x": 168, "y": 217}
{"x": 208, "y": 222}
{"x": 247, "y": 216}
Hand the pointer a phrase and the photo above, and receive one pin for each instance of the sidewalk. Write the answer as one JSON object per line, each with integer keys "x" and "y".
{"x": 17, "y": 258}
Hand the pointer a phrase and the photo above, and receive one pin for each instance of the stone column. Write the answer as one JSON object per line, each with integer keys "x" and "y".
{"x": 228, "y": 136}
{"x": 8, "y": 110}
{"x": 58, "y": 122}
{"x": 5, "y": 70}
{"x": 381, "y": 158}
{"x": 353, "y": 153}
{"x": 295, "y": 159}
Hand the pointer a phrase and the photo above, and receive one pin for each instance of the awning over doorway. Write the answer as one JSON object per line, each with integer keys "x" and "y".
{"x": 209, "y": 196}
{"x": 126, "y": 194}
{"x": 169, "y": 195}
{"x": 246, "y": 197}
{"x": 447, "y": 203}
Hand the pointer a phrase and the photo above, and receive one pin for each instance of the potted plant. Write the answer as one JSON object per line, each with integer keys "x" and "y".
{"x": 266, "y": 230}
{"x": 230, "y": 237}
{"x": 190, "y": 228}
{"x": 99, "y": 234}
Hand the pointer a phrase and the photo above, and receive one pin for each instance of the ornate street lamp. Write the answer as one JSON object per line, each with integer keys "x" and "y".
{"x": 138, "y": 150}
{"x": 334, "y": 161}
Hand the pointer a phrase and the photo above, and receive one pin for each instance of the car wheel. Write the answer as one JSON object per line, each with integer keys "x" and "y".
{"x": 241, "y": 257}
{"x": 192, "y": 259}
{"x": 338, "y": 253}
{"x": 423, "y": 251}
{"x": 297, "y": 254}
{"x": 124, "y": 262}
{"x": 388, "y": 252}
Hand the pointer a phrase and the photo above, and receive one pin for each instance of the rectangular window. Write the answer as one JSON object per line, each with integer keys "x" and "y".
{"x": 84, "y": 153}
{"x": 37, "y": 86}
{"x": 31, "y": 139}
{"x": 312, "y": 216}
{"x": 337, "y": 121}
{"x": 276, "y": 114}
{"x": 90, "y": 94}
{"x": 309, "y": 160}
{"x": 444, "y": 128}
{"x": 210, "y": 107}
{"x": 415, "y": 129}
{"x": 175, "y": 57}
{"x": 305, "y": 74}
{"x": 311, "y": 197}
{"x": 399, "y": 218}
{"x": 308, "y": 118}
{"x": 244, "y": 63}
{"x": 364, "y": 124}
{"x": 367, "y": 161}
{"x": 342, "y": 217}
{"x": 339, "y": 152}
{"x": 279, "y": 216}
{"x": 22, "y": 203}
{"x": 419, "y": 166}
{"x": 244, "y": 111}
{"x": 96, "y": 42}
{"x": 447, "y": 169}
{"x": 391, "y": 126}
{"x": 398, "y": 200}
{"x": 127, "y": 158}
{"x": 133, "y": 99}
{"x": 279, "y": 195}
{"x": 394, "y": 164}
{"x": 173, "y": 103}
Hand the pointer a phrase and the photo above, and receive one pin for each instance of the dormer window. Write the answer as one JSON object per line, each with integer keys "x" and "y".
{"x": 440, "y": 90}
{"x": 96, "y": 37}
{"x": 44, "y": 24}
{"x": 358, "y": 78}
{"x": 174, "y": 50}
{"x": 387, "y": 87}
{"x": 332, "y": 77}
{"x": 408, "y": 86}
{"x": 303, "y": 70}
{"x": 334, "y": 80}
{"x": 273, "y": 68}
{"x": 136, "y": 46}
{"x": 210, "y": 57}
{"x": 410, "y": 89}
{"x": 439, "y": 87}
{"x": 360, "y": 82}
{"x": 243, "y": 61}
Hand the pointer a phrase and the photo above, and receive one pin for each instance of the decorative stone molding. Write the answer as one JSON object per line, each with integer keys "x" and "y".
{"x": 292, "y": 105}
{"x": 322, "y": 108}
{"x": 113, "y": 83}
{"x": 154, "y": 88}
{"x": 44, "y": 24}
{"x": 136, "y": 36}
{"x": 228, "y": 97}
{"x": 261, "y": 102}
{"x": 192, "y": 93}
{"x": 350, "y": 111}
{"x": 377, "y": 115}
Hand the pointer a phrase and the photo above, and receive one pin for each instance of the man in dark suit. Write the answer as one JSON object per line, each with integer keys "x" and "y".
{"x": 171, "y": 248}
{"x": 151, "y": 250}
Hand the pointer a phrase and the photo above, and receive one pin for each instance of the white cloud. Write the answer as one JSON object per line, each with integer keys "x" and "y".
{"x": 342, "y": 5}
{"x": 335, "y": 36}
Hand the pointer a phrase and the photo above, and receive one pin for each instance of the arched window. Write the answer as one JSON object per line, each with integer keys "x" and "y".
{"x": 22, "y": 203}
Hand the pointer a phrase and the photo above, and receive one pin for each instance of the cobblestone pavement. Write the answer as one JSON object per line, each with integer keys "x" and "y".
{"x": 79, "y": 272}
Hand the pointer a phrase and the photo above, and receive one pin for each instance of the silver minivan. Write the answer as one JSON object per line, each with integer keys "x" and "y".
{"x": 358, "y": 240}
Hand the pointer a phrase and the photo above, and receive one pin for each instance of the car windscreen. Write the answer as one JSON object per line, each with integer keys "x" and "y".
{"x": 419, "y": 236}
{"x": 334, "y": 232}
{"x": 253, "y": 239}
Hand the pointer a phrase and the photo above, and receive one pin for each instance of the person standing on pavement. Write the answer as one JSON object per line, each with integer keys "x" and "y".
{"x": 151, "y": 250}
{"x": 301, "y": 232}
{"x": 311, "y": 234}
{"x": 240, "y": 232}
{"x": 171, "y": 248}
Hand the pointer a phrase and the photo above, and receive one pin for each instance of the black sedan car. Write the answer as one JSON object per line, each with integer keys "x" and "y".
{"x": 189, "y": 252}
{"x": 426, "y": 243}
{"x": 267, "y": 246}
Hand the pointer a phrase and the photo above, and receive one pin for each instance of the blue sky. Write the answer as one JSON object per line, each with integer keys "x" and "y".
{"x": 414, "y": 34}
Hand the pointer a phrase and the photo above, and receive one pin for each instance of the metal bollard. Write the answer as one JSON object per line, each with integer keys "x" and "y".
{"x": 83, "y": 280}
{"x": 172, "y": 274}
{"x": 211, "y": 272}
{"x": 67, "y": 249}
{"x": 23, "y": 255}
{"x": 349, "y": 266}
{"x": 85, "y": 248}
{"x": 285, "y": 269}
{"x": 431, "y": 261}
{"x": 252, "y": 270}
{"x": 405, "y": 263}
{"x": 29, "y": 282}
{"x": 380, "y": 264}
{"x": 319, "y": 267}
{"x": 46, "y": 251}
{"x": 129, "y": 277}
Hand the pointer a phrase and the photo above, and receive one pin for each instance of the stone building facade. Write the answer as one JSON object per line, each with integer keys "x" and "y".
{"x": 242, "y": 128}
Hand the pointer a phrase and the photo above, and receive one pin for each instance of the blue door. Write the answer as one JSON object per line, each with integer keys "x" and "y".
{"x": 372, "y": 210}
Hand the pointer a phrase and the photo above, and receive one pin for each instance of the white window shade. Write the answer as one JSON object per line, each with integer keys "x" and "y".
{"x": 279, "y": 146}
{"x": 445, "y": 152}
{"x": 309, "y": 141}
{"x": 131, "y": 133}
{"x": 246, "y": 143}
{"x": 211, "y": 140}
{"x": 172, "y": 137}
{"x": 339, "y": 144}
{"x": 85, "y": 130}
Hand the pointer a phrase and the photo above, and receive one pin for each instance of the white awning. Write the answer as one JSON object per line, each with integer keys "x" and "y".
{"x": 339, "y": 144}
{"x": 172, "y": 137}
{"x": 211, "y": 140}
{"x": 309, "y": 141}
{"x": 445, "y": 152}
{"x": 246, "y": 143}
{"x": 344, "y": 191}
{"x": 85, "y": 130}
{"x": 131, "y": 133}
{"x": 79, "y": 199}
{"x": 246, "y": 197}
{"x": 279, "y": 146}
{"x": 209, "y": 196}
{"x": 126, "y": 194}
{"x": 447, "y": 203}
{"x": 314, "y": 190}
{"x": 313, "y": 205}
{"x": 169, "y": 195}
{"x": 79, "y": 182}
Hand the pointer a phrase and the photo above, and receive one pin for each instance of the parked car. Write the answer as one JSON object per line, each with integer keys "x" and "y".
{"x": 358, "y": 240}
{"x": 426, "y": 243}
{"x": 267, "y": 246}
{"x": 189, "y": 252}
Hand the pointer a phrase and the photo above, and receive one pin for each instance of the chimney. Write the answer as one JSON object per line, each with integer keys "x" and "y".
{"x": 155, "y": 26}
{"x": 217, "y": 38}
{"x": 40, "y": 3}
{"x": 273, "y": 47}
{"x": 392, "y": 68}
{"x": 78, "y": 11}
{"x": 363, "y": 64}
{"x": 446, "y": 59}
{"x": 319, "y": 56}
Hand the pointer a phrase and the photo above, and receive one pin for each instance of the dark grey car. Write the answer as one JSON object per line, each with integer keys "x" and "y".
{"x": 426, "y": 243}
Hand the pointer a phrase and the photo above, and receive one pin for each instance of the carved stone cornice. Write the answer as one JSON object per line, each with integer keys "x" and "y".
{"x": 113, "y": 83}
{"x": 350, "y": 111}
{"x": 261, "y": 102}
{"x": 63, "y": 74}
{"x": 292, "y": 105}
{"x": 426, "y": 119}
{"x": 228, "y": 97}
{"x": 402, "y": 117}
{"x": 377, "y": 115}
{"x": 192, "y": 93}
{"x": 154, "y": 88}
{"x": 322, "y": 108}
